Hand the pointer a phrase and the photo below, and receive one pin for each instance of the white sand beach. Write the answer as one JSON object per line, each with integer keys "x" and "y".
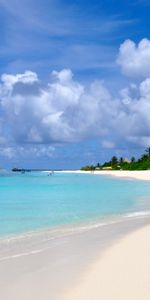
{"x": 141, "y": 175}
{"x": 106, "y": 262}
{"x": 122, "y": 273}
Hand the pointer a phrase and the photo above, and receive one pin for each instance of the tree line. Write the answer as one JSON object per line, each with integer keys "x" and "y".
{"x": 142, "y": 163}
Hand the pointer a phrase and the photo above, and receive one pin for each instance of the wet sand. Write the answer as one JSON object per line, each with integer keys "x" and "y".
{"x": 51, "y": 265}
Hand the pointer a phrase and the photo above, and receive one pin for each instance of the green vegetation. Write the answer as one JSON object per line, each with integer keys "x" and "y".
{"x": 143, "y": 163}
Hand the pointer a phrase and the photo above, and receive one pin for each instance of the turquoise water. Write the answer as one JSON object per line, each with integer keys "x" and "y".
{"x": 36, "y": 201}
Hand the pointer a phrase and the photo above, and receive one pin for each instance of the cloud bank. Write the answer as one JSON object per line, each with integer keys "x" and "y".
{"x": 134, "y": 60}
{"x": 67, "y": 111}
{"x": 61, "y": 111}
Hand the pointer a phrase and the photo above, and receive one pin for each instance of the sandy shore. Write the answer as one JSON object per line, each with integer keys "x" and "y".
{"x": 141, "y": 175}
{"x": 122, "y": 273}
{"x": 45, "y": 266}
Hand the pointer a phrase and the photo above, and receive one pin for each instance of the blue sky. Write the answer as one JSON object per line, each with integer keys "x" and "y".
{"x": 47, "y": 35}
{"x": 74, "y": 81}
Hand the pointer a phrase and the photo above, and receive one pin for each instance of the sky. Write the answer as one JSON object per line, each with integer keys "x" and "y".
{"x": 74, "y": 81}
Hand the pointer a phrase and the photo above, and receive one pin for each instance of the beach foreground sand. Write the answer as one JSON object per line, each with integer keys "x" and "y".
{"x": 108, "y": 262}
{"x": 122, "y": 273}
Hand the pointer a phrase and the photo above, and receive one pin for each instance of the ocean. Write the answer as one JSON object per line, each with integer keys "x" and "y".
{"x": 37, "y": 201}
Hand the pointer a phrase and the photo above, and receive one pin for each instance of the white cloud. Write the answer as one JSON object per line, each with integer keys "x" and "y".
{"x": 133, "y": 121}
{"x": 7, "y": 152}
{"x": 27, "y": 78}
{"x": 145, "y": 88}
{"x": 27, "y": 151}
{"x": 66, "y": 111}
{"x": 62, "y": 111}
{"x": 135, "y": 59}
{"x": 108, "y": 144}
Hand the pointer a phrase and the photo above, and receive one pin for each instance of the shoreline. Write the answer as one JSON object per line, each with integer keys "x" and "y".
{"x": 28, "y": 241}
{"x": 123, "y": 271}
{"x": 48, "y": 274}
{"x": 140, "y": 175}
{"x": 66, "y": 265}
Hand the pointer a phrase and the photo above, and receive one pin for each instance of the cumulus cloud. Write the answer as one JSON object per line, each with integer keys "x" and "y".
{"x": 108, "y": 144}
{"x": 133, "y": 121}
{"x": 61, "y": 111}
{"x": 134, "y": 60}
{"x": 64, "y": 110}
{"x": 27, "y": 151}
{"x": 9, "y": 80}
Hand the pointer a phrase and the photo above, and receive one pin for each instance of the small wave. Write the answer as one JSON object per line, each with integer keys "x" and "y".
{"x": 20, "y": 254}
{"x": 46, "y": 236}
{"x": 137, "y": 214}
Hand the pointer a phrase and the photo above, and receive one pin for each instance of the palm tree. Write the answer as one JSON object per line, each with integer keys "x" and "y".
{"x": 121, "y": 160}
{"x": 148, "y": 151}
{"x": 114, "y": 161}
{"x": 133, "y": 159}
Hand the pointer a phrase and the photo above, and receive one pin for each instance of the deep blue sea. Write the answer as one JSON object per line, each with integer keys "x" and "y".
{"x": 33, "y": 201}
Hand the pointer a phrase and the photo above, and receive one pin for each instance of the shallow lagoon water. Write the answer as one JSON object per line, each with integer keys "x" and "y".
{"x": 34, "y": 201}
